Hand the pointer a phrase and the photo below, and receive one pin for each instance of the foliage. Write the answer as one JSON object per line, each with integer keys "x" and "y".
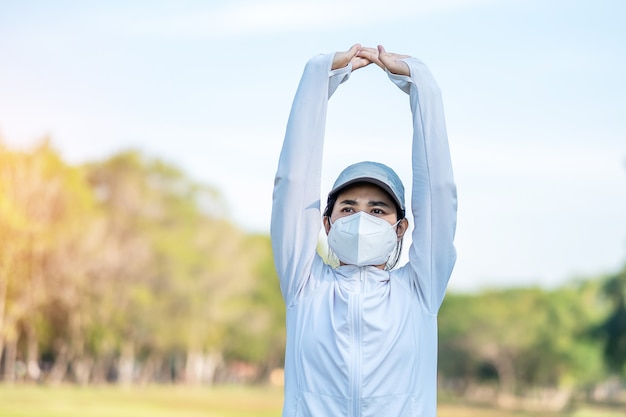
{"x": 528, "y": 337}
{"x": 127, "y": 264}
{"x": 127, "y": 270}
{"x": 612, "y": 331}
{"x": 47, "y": 210}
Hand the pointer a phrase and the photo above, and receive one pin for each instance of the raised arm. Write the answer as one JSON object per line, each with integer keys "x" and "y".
{"x": 296, "y": 216}
{"x": 433, "y": 200}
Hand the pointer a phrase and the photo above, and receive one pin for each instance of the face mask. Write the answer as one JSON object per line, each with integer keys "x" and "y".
{"x": 362, "y": 239}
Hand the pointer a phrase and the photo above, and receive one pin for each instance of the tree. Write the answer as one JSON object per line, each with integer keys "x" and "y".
{"x": 182, "y": 296}
{"x": 521, "y": 338}
{"x": 259, "y": 335}
{"x": 612, "y": 331}
{"x": 45, "y": 208}
{"x": 496, "y": 328}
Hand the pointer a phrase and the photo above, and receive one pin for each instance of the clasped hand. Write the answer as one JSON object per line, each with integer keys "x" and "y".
{"x": 363, "y": 56}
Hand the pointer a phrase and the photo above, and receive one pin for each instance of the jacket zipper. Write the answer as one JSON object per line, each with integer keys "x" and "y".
{"x": 355, "y": 388}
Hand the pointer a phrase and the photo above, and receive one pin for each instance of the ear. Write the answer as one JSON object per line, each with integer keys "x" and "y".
{"x": 326, "y": 220}
{"x": 402, "y": 227}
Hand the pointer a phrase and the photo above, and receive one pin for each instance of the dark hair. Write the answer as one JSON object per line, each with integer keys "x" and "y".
{"x": 330, "y": 205}
{"x": 332, "y": 199}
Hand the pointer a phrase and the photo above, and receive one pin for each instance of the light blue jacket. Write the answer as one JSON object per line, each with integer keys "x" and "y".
{"x": 362, "y": 341}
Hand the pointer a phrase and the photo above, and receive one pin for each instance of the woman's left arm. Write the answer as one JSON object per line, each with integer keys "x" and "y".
{"x": 432, "y": 254}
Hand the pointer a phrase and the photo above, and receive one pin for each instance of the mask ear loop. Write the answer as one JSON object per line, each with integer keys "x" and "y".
{"x": 395, "y": 226}
{"x": 397, "y": 249}
{"x": 331, "y": 258}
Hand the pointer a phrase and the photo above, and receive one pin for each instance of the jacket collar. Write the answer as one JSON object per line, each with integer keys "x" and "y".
{"x": 353, "y": 272}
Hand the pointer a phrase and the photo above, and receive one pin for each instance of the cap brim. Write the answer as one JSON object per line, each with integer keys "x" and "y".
{"x": 369, "y": 180}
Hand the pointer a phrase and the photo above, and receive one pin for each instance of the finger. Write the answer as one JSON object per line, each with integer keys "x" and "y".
{"x": 342, "y": 59}
{"x": 382, "y": 50}
{"x": 346, "y": 56}
{"x": 354, "y": 50}
{"x": 384, "y": 56}
{"x": 371, "y": 54}
{"x": 358, "y": 62}
{"x": 393, "y": 62}
{"x": 369, "y": 49}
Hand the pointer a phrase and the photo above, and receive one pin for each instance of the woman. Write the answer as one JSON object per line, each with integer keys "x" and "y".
{"x": 362, "y": 337}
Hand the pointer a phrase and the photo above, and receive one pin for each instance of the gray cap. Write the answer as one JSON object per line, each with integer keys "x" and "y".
{"x": 373, "y": 173}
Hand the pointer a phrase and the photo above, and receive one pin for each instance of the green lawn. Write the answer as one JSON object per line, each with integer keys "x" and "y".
{"x": 179, "y": 401}
{"x": 158, "y": 401}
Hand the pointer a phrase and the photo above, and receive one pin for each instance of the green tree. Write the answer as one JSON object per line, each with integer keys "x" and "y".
{"x": 127, "y": 268}
{"x": 259, "y": 335}
{"x": 182, "y": 296}
{"x": 612, "y": 331}
{"x": 527, "y": 337}
{"x": 45, "y": 208}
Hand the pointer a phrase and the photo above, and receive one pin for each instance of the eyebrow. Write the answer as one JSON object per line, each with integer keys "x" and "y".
{"x": 369, "y": 203}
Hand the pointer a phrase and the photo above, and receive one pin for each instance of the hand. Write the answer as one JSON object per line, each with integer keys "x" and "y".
{"x": 386, "y": 60}
{"x": 341, "y": 59}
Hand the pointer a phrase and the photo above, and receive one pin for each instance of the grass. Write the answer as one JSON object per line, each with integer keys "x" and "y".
{"x": 158, "y": 401}
{"x": 180, "y": 401}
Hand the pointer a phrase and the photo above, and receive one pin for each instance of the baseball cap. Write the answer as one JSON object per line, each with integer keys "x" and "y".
{"x": 373, "y": 173}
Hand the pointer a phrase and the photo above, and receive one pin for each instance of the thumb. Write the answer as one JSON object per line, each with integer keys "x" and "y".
{"x": 382, "y": 55}
{"x": 342, "y": 59}
{"x": 354, "y": 49}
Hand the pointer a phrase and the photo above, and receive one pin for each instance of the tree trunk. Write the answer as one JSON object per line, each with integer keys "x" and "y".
{"x": 10, "y": 357}
{"x": 506, "y": 373}
{"x": 1, "y": 352}
{"x": 193, "y": 367}
{"x": 82, "y": 367}
{"x": 505, "y": 368}
{"x": 3, "y": 294}
{"x": 200, "y": 368}
{"x": 211, "y": 362}
{"x": 150, "y": 372}
{"x": 126, "y": 364}
{"x": 59, "y": 369}
{"x": 99, "y": 369}
{"x": 33, "y": 370}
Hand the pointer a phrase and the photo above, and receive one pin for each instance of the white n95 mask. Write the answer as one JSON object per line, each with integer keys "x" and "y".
{"x": 362, "y": 239}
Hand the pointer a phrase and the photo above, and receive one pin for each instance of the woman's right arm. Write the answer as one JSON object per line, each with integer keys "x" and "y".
{"x": 296, "y": 216}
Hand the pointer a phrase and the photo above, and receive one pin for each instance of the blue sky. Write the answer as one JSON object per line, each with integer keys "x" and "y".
{"x": 534, "y": 94}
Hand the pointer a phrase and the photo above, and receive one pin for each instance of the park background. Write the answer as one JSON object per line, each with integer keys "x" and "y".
{"x": 139, "y": 143}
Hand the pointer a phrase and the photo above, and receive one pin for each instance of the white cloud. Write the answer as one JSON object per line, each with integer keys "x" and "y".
{"x": 539, "y": 160}
{"x": 254, "y": 17}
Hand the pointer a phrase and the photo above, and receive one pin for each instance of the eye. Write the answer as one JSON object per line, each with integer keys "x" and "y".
{"x": 378, "y": 211}
{"x": 347, "y": 210}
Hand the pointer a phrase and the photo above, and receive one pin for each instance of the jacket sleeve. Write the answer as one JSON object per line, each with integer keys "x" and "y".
{"x": 432, "y": 254}
{"x": 296, "y": 215}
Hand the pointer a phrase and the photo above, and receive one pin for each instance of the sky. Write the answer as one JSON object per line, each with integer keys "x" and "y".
{"x": 534, "y": 93}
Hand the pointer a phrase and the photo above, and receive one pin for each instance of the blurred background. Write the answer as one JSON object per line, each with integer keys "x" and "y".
{"x": 138, "y": 144}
